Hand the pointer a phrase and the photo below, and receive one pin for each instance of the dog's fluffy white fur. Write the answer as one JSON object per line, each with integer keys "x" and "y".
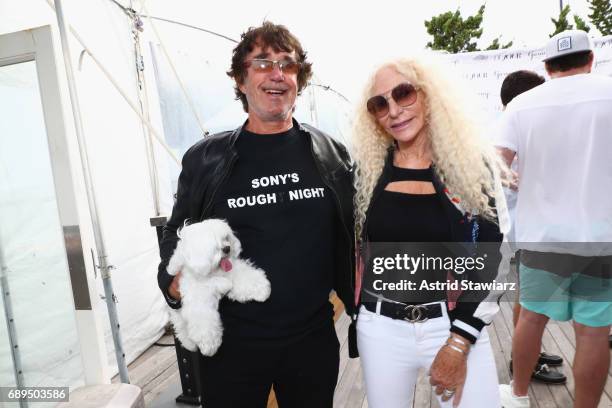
{"x": 204, "y": 253}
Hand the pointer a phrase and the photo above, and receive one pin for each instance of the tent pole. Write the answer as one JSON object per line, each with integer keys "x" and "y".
{"x": 10, "y": 326}
{"x": 143, "y": 101}
{"x": 105, "y": 268}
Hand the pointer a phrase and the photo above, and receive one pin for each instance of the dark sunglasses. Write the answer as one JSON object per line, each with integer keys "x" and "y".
{"x": 404, "y": 95}
{"x": 267, "y": 66}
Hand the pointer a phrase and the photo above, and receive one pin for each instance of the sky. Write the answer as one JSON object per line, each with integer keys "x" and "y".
{"x": 346, "y": 39}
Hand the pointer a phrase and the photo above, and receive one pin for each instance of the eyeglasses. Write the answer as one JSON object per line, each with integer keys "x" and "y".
{"x": 404, "y": 95}
{"x": 267, "y": 66}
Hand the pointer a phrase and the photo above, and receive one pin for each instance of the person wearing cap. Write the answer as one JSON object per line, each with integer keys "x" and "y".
{"x": 560, "y": 131}
{"x": 513, "y": 85}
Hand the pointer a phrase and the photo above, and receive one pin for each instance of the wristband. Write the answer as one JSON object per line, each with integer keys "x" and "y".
{"x": 457, "y": 340}
{"x": 460, "y": 350}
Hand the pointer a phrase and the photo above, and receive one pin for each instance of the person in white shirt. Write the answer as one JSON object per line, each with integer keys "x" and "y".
{"x": 561, "y": 132}
{"x": 513, "y": 85}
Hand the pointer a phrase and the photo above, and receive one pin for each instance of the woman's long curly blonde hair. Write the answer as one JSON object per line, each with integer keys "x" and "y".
{"x": 465, "y": 163}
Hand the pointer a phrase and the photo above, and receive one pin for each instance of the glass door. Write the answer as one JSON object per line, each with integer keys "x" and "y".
{"x": 39, "y": 340}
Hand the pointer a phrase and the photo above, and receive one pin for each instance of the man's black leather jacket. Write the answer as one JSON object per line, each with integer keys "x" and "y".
{"x": 208, "y": 163}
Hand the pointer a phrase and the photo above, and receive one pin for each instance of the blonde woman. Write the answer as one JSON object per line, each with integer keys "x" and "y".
{"x": 423, "y": 175}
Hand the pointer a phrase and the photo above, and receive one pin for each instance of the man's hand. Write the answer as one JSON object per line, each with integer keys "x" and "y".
{"x": 512, "y": 182}
{"x": 510, "y": 178}
{"x": 173, "y": 289}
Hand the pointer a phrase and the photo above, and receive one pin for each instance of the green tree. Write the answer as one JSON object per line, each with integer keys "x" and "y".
{"x": 495, "y": 45}
{"x": 601, "y": 15}
{"x": 562, "y": 23}
{"x": 453, "y": 33}
{"x": 581, "y": 24}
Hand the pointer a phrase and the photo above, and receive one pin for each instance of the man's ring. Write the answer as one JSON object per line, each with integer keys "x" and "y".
{"x": 448, "y": 393}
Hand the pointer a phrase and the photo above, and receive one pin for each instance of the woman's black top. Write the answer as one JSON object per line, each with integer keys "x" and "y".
{"x": 403, "y": 217}
{"x": 412, "y": 219}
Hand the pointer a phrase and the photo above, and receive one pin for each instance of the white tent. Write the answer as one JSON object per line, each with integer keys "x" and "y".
{"x": 60, "y": 321}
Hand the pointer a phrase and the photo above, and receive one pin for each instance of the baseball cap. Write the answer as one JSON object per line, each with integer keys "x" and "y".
{"x": 567, "y": 42}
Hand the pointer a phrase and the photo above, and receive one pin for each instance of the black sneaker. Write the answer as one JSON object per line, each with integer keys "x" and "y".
{"x": 543, "y": 374}
{"x": 550, "y": 360}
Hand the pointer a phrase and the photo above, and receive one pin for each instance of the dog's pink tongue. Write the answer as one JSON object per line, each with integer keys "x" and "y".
{"x": 226, "y": 264}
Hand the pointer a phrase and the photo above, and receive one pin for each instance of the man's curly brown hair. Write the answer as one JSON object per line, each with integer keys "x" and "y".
{"x": 279, "y": 39}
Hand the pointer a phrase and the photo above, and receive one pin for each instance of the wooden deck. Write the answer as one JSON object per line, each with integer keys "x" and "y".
{"x": 156, "y": 370}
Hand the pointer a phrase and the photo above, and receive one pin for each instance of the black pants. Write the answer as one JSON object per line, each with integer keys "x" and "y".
{"x": 303, "y": 372}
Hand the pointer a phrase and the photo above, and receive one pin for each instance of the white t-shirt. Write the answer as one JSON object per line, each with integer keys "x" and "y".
{"x": 562, "y": 134}
{"x": 511, "y": 197}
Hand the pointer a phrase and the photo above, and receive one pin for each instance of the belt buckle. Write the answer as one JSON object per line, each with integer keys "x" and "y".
{"x": 415, "y": 314}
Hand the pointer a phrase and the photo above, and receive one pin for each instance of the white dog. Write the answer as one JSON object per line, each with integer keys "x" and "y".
{"x": 207, "y": 255}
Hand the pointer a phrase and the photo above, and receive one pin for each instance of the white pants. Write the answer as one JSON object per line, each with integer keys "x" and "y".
{"x": 392, "y": 351}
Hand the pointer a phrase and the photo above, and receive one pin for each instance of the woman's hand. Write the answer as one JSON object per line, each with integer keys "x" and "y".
{"x": 449, "y": 368}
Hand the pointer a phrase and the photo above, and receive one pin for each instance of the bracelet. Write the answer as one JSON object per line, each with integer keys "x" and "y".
{"x": 460, "y": 350}
{"x": 457, "y": 340}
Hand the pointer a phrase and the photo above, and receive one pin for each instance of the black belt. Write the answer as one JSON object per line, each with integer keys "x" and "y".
{"x": 409, "y": 313}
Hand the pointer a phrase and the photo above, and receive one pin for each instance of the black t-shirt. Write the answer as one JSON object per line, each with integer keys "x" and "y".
{"x": 284, "y": 215}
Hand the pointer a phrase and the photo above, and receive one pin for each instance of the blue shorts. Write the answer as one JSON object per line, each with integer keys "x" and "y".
{"x": 585, "y": 299}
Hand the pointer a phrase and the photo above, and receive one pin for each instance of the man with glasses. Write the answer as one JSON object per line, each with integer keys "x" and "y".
{"x": 285, "y": 189}
{"x": 560, "y": 131}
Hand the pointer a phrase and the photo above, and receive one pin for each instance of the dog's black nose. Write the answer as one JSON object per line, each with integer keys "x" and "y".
{"x": 226, "y": 249}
